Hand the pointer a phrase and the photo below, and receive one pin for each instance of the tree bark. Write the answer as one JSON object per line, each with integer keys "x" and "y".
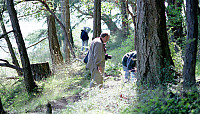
{"x": 7, "y": 64}
{"x": 97, "y": 19}
{"x": 191, "y": 45}
{"x": 133, "y": 16}
{"x": 12, "y": 53}
{"x": 54, "y": 46}
{"x": 124, "y": 18}
{"x": 153, "y": 54}
{"x": 111, "y": 25}
{"x": 40, "y": 71}
{"x": 28, "y": 77}
{"x": 66, "y": 21}
{"x": 1, "y": 108}
{"x": 62, "y": 26}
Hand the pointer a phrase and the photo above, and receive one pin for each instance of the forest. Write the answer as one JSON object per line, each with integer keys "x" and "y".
{"x": 42, "y": 67}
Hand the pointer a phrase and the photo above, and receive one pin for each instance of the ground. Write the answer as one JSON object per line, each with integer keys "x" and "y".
{"x": 113, "y": 98}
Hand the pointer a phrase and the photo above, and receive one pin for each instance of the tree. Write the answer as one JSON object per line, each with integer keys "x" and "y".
{"x": 54, "y": 46}
{"x": 66, "y": 21}
{"x": 97, "y": 19}
{"x": 106, "y": 16}
{"x": 153, "y": 54}
{"x": 1, "y": 108}
{"x": 11, "y": 50}
{"x": 60, "y": 23}
{"x": 133, "y": 16}
{"x": 28, "y": 77}
{"x": 124, "y": 18}
{"x": 191, "y": 45}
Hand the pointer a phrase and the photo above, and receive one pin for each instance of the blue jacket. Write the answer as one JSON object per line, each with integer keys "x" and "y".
{"x": 84, "y": 35}
{"x": 129, "y": 60}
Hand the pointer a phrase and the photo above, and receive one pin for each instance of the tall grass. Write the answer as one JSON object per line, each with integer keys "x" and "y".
{"x": 64, "y": 83}
{"x": 116, "y": 97}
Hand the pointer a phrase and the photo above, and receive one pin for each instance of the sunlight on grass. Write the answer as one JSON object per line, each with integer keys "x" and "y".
{"x": 115, "y": 97}
{"x": 62, "y": 84}
{"x": 197, "y": 73}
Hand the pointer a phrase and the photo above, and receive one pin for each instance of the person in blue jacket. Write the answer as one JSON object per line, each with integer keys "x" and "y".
{"x": 85, "y": 38}
{"x": 129, "y": 65}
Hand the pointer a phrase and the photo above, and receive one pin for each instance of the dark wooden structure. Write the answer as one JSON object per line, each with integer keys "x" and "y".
{"x": 40, "y": 71}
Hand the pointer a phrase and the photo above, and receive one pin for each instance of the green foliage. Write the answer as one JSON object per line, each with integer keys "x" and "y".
{"x": 112, "y": 69}
{"x": 39, "y": 52}
{"x": 174, "y": 15}
{"x": 160, "y": 102}
{"x": 68, "y": 80}
{"x": 117, "y": 47}
{"x": 176, "y": 53}
{"x": 29, "y": 10}
{"x": 14, "y": 95}
{"x": 197, "y": 71}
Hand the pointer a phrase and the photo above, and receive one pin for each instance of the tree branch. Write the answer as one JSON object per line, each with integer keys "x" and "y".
{"x": 2, "y": 36}
{"x": 3, "y": 49}
{"x": 132, "y": 16}
{"x": 60, "y": 23}
{"x": 7, "y": 64}
{"x": 36, "y": 43}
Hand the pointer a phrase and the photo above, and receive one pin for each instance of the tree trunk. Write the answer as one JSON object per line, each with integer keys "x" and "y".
{"x": 133, "y": 16}
{"x": 54, "y": 46}
{"x": 124, "y": 18}
{"x": 40, "y": 71}
{"x": 28, "y": 77}
{"x": 191, "y": 46}
{"x": 97, "y": 19}
{"x": 111, "y": 25}
{"x": 61, "y": 25}
{"x": 12, "y": 53}
{"x": 1, "y": 108}
{"x": 66, "y": 22}
{"x": 153, "y": 54}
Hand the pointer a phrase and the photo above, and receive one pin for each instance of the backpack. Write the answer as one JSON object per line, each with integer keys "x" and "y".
{"x": 85, "y": 60}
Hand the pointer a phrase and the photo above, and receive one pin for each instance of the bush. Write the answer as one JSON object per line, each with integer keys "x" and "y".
{"x": 166, "y": 103}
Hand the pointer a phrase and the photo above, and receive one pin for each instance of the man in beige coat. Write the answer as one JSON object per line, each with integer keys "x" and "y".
{"x": 96, "y": 60}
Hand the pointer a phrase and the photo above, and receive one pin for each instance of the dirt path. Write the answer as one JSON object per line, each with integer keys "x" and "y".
{"x": 113, "y": 98}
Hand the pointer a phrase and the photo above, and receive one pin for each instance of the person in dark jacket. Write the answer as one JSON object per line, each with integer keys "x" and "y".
{"x": 85, "y": 38}
{"x": 129, "y": 65}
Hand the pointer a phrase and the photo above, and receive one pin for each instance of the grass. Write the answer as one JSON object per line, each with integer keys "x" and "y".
{"x": 69, "y": 81}
{"x": 197, "y": 72}
{"x": 114, "y": 98}
{"x": 117, "y": 97}
{"x": 62, "y": 84}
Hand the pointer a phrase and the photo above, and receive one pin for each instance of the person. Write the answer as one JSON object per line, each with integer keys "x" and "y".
{"x": 129, "y": 65}
{"x": 85, "y": 38}
{"x": 96, "y": 60}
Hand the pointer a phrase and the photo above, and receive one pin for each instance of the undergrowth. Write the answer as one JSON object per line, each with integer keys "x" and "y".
{"x": 67, "y": 81}
{"x": 162, "y": 102}
{"x": 116, "y": 97}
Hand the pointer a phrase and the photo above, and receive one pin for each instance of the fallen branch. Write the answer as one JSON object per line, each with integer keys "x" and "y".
{"x": 14, "y": 77}
{"x": 36, "y": 43}
{"x": 7, "y": 64}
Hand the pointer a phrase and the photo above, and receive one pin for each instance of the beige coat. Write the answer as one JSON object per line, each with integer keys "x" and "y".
{"x": 96, "y": 55}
